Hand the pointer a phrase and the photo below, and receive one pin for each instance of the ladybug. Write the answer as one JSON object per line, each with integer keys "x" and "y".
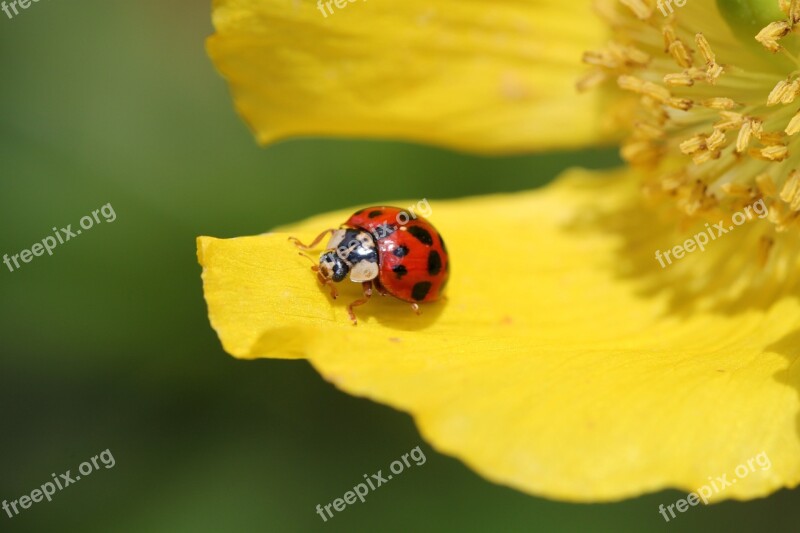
{"x": 397, "y": 252}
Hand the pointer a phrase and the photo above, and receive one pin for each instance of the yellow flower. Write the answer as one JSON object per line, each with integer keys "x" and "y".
{"x": 603, "y": 337}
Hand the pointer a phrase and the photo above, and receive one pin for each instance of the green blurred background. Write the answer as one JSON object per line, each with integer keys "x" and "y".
{"x": 106, "y": 344}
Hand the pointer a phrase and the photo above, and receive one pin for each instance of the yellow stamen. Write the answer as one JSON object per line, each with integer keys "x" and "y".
{"x": 639, "y": 8}
{"x": 713, "y": 129}
{"x": 770, "y": 35}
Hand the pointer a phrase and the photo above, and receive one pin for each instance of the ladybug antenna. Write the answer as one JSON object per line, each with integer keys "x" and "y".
{"x": 319, "y": 237}
{"x": 314, "y": 265}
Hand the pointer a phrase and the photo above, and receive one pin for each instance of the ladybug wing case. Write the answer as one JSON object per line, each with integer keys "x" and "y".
{"x": 414, "y": 265}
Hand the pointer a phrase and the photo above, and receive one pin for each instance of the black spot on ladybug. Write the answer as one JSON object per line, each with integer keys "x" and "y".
{"x": 400, "y": 270}
{"x": 434, "y": 263}
{"x": 358, "y": 212}
{"x": 444, "y": 248}
{"x": 384, "y": 230}
{"x": 401, "y": 251}
{"x": 420, "y": 290}
{"x": 376, "y": 213}
{"x": 421, "y": 234}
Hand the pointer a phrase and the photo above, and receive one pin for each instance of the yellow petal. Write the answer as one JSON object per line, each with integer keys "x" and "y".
{"x": 555, "y": 366}
{"x": 494, "y": 76}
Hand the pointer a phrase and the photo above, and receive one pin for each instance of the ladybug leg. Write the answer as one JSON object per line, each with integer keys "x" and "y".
{"x": 314, "y": 242}
{"x": 326, "y": 282}
{"x": 380, "y": 288}
{"x": 415, "y": 308}
{"x": 361, "y": 301}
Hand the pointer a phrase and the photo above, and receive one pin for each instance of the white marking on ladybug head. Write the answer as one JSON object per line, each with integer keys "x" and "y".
{"x": 350, "y": 250}
{"x": 355, "y": 245}
{"x": 365, "y": 239}
{"x": 336, "y": 239}
{"x": 364, "y": 271}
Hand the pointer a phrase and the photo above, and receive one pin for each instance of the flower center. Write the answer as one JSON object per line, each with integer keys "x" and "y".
{"x": 715, "y": 123}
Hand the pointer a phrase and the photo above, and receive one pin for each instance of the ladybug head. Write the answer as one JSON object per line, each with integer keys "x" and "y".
{"x": 332, "y": 267}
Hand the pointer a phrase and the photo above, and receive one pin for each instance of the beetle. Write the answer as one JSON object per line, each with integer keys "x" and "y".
{"x": 385, "y": 247}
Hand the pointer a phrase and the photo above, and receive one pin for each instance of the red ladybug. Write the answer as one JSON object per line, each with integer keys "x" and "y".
{"x": 398, "y": 252}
